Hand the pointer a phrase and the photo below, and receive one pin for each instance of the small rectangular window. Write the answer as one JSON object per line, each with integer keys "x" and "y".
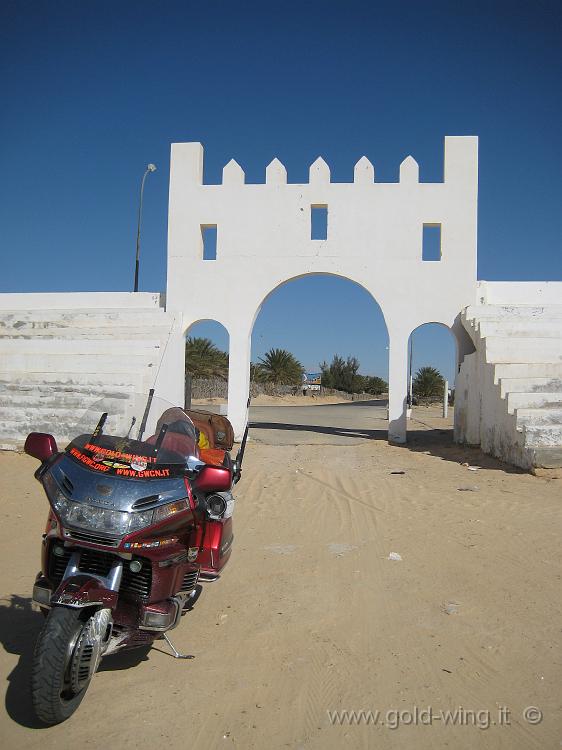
{"x": 431, "y": 244}
{"x": 209, "y": 235}
{"x": 319, "y": 222}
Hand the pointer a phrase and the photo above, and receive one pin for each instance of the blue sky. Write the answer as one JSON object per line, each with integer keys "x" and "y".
{"x": 92, "y": 91}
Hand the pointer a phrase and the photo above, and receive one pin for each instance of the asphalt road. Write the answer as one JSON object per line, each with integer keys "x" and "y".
{"x": 326, "y": 424}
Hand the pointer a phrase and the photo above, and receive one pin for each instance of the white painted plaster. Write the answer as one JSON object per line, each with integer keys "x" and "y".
{"x": 60, "y": 353}
{"x": 374, "y": 239}
{"x": 509, "y": 391}
{"x": 79, "y": 300}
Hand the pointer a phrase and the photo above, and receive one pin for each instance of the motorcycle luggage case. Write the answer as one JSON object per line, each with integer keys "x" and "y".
{"x": 217, "y": 428}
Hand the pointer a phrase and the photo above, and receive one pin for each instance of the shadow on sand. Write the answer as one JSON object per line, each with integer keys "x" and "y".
{"x": 436, "y": 442}
{"x": 20, "y": 626}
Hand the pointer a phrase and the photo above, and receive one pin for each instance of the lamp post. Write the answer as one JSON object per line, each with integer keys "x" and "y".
{"x": 149, "y": 168}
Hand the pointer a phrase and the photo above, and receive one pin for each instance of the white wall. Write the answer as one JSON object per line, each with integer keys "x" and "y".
{"x": 58, "y": 349}
{"x": 80, "y": 300}
{"x": 61, "y": 352}
{"x": 509, "y": 391}
{"x": 519, "y": 293}
{"x": 374, "y": 238}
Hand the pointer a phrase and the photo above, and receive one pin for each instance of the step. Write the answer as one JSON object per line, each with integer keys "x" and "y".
{"x": 45, "y": 313}
{"x": 61, "y": 412}
{"x": 524, "y": 328}
{"x": 48, "y": 380}
{"x": 498, "y": 312}
{"x": 535, "y": 400}
{"x": 154, "y": 332}
{"x": 522, "y": 350}
{"x": 82, "y": 300}
{"x": 547, "y": 458}
{"x": 546, "y": 436}
{"x": 109, "y": 347}
{"x": 527, "y": 370}
{"x": 27, "y": 397}
{"x": 539, "y": 417}
{"x": 17, "y": 325}
{"x": 530, "y": 385}
{"x": 67, "y": 364}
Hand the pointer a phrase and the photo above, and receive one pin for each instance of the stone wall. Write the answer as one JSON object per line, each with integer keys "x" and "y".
{"x": 60, "y": 353}
{"x": 508, "y": 394}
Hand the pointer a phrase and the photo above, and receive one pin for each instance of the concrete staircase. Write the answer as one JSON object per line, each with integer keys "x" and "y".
{"x": 54, "y": 363}
{"x": 509, "y": 391}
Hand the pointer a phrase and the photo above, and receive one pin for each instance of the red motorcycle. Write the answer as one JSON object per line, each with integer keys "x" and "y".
{"x": 135, "y": 525}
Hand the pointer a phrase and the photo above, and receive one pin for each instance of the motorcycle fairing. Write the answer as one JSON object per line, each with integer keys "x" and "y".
{"x": 111, "y": 491}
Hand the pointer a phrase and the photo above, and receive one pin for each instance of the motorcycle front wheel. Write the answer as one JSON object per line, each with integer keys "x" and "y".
{"x": 57, "y": 687}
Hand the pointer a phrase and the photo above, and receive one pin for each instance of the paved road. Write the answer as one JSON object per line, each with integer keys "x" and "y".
{"x": 327, "y": 424}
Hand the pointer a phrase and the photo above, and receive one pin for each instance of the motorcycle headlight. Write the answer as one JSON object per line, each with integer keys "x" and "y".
{"x": 115, "y": 522}
{"x": 81, "y": 515}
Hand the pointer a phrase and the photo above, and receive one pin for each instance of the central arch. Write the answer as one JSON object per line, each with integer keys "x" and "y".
{"x": 313, "y": 274}
{"x": 241, "y": 334}
{"x": 315, "y": 316}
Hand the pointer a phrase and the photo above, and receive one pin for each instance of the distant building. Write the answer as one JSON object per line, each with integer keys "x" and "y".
{"x": 311, "y": 381}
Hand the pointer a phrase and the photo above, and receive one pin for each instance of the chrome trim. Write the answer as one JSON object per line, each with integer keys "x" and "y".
{"x": 111, "y": 582}
{"x": 77, "y": 535}
{"x": 90, "y": 646}
{"x": 194, "y": 464}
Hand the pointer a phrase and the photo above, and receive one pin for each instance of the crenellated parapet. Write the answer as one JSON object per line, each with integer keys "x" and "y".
{"x": 379, "y": 227}
{"x": 461, "y": 153}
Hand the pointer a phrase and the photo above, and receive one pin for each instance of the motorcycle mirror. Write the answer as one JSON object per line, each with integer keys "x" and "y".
{"x": 40, "y": 445}
{"x": 194, "y": 464}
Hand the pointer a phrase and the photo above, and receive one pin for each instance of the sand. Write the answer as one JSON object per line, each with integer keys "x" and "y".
{"x": 263, "y": 400}
{"x": 312, "y": 616}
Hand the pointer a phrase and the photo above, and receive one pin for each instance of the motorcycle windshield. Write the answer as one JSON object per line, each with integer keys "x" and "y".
{"x": 134, "y": 436}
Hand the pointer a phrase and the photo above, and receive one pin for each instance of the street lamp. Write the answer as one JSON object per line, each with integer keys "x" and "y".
{"x": 149, "y": 168}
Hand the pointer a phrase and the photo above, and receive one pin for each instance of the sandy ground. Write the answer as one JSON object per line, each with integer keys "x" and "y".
{"x": 263, "y": 400}
{"x": 312, "y": 616}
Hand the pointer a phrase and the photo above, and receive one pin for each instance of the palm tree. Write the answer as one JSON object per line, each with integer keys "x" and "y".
{"x": 281, "y": 367}
{"x": 428, "y": 383}
{"x": 205, "y": 360}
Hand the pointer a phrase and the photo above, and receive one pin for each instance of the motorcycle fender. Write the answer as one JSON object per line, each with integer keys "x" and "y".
{"x": 84, "y": 591}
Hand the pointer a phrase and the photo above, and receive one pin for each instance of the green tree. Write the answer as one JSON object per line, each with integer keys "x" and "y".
{"x": 341, "y": 374}
{"x": 428, "y": 383}
{"x": 205, "y": 360}
{"x": 375, "y": 385}
{"x": 279, "y": 366}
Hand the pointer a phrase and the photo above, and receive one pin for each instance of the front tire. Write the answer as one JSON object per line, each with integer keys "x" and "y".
{"x": 54, "y": 698}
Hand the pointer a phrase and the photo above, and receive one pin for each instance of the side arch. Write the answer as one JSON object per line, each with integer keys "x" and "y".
{"x": 449, "y": 376}
{"x": 206, "y": 345}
